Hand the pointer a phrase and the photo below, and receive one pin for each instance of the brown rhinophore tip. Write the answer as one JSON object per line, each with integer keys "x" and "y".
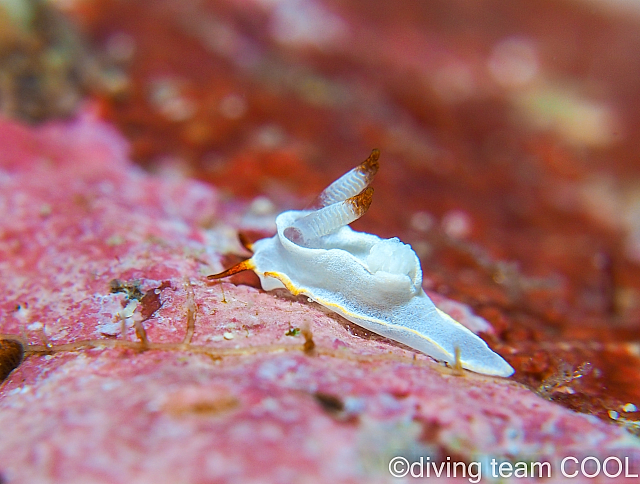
{"x": 242, "y": 266}
{"x": 356, "y": 179}
{"x": 370, "y": 165}
{"x": 361, "y": 202}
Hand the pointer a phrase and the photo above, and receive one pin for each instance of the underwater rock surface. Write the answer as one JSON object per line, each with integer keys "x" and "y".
{"x": 137, "y": 369}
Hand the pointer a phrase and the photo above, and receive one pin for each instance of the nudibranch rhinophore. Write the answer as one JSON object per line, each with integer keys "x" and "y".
{"x": 373, "y": 282}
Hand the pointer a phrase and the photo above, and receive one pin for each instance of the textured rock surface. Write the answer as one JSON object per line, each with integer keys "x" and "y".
{"x": 211, "y": 382}
{"x": 506, "y": 131}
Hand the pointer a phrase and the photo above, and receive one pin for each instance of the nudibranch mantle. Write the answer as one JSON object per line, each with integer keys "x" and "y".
{"x": 373, "y": 282}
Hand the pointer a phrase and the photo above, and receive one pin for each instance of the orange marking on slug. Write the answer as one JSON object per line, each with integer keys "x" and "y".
{"x": 361, "y": 202}
{"x": 286, "y": 281}
{"x": 244, "y": 240}
{"x": 242, "y": 266}
{"x": 370, "y": 165}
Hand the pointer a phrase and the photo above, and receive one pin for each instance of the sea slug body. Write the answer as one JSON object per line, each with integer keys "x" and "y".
{"x": 373, "y": 282}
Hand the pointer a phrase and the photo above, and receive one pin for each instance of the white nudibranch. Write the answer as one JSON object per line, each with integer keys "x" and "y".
{"x": 373, "y": 282}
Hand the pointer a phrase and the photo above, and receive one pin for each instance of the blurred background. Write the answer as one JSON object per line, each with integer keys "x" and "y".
{"x": 507, "y": 131}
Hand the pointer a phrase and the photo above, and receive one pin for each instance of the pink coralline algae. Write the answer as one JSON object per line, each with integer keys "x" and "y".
{"x": 136, "y": 369}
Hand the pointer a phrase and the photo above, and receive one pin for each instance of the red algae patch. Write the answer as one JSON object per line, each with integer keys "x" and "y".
{"x": 512, "y": 166}
{"x": 137, "y": 369}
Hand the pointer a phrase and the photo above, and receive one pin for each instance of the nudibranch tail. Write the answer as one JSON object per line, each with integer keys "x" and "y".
{"x": 329, "y": 219}
{"x": 353, "y": 182}
{"x": 241, "y": 266}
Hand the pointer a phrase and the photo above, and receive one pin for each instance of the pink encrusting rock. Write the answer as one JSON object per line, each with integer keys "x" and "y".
{"x": 138, "y": 370}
